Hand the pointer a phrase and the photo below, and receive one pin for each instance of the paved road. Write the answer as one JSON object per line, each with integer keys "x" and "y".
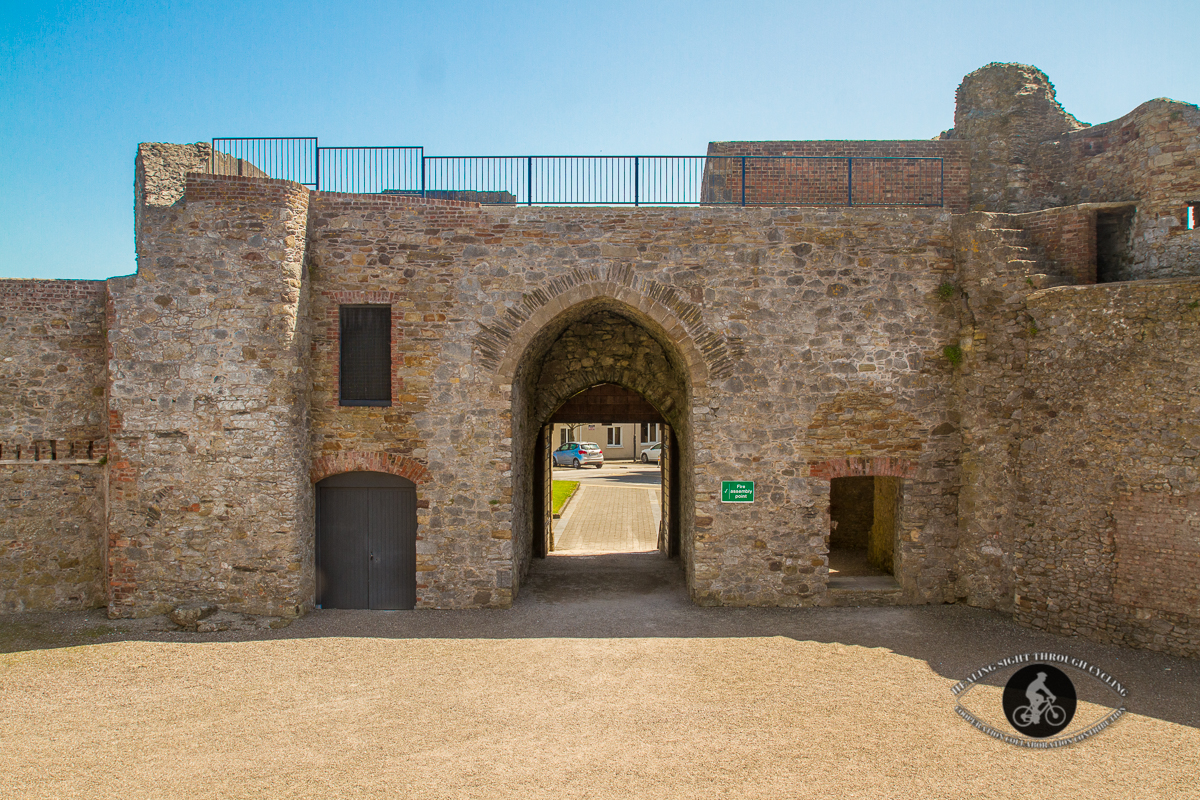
{"x": 608, "y": 519}
{"x": 614, "y": 473}
{"x": 615, "y": 510}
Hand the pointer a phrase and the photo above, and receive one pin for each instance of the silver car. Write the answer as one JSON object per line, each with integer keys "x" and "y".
{"x": 653, "y": 452}
{"x": 578, "y": 455}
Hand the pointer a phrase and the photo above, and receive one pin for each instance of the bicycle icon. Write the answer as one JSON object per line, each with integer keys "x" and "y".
{"x": 1026, "y": 716}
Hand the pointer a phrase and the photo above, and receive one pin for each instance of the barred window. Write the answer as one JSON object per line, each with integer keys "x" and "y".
{"x": 366, "y": 356}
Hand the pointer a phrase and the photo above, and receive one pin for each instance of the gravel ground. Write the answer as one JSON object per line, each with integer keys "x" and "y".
{"x": 602, "y": 681}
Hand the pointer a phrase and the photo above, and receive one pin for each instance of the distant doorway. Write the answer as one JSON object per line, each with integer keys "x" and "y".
{"x": 366, "y": 541}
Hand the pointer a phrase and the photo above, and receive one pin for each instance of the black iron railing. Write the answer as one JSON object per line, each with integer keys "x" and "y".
{"x": 589, "y": 180}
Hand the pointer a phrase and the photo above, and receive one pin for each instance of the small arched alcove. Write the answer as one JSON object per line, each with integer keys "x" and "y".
{"x": 366, "y": 541}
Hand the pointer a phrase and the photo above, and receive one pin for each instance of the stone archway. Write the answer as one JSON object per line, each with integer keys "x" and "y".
{"x": 599, "y": 340}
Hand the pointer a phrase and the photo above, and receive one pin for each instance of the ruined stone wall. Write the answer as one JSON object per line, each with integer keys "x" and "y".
{"x": 52, "y": 440}
{"x": 1028, "y": 154}
{"x": 51, "y": 535}
{"x": 808, "y": 335}
{"x": 1109, "y": 545}
{"x": 1077, "y": 506}
{"x": 1007, "y": 113}
{"x": 821, "y": 175}
{"x": 209, "y": 492}
{"x": 1151, "y": 155}
{"x": 997, "y": 270}
{"x": 52, "y": 363}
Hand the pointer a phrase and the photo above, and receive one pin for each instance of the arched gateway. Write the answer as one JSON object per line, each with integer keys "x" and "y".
{"x": 599, "y": 340}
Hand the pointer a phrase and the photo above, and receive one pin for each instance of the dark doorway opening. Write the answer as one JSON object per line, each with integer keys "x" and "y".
{"x": 1114, "y": 245}
{"x": 366, "y": 541}
{"x": 862, "y": 535}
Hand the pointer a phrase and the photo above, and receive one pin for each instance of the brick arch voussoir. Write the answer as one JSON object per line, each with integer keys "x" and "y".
{"x": 859, "y": 467}
{"x": 359, "y": 461}
{"x": 501, "y": 345}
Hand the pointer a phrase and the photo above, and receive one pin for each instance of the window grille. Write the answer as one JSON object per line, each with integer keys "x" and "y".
{"x": 366, "y": 356}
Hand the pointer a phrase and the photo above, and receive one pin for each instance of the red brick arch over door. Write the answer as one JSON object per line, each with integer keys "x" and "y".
{"x": 862, "y": 467}
{"x": 358, "y": 461}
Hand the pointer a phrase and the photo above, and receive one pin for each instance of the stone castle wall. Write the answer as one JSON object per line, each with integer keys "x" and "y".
{"x": 836, "y": 317}
{"x": 209, "y": 494}
{"x": 160, "y": 441}
{"x": 1110, "y": 541}
{"x": 1151, "y": 155}
{"x": 52, "y": 440}
{"x": 1078, "y": 506}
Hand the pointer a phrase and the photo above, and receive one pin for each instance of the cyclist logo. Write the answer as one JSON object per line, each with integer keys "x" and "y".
{"x": 1039, "y": 700}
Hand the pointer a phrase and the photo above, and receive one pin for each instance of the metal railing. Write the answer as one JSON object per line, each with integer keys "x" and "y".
{"x": 590, "y": 180}
{"x": 286, "y": 159}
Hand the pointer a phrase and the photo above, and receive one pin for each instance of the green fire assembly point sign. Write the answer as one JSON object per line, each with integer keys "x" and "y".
{"x": 737, "y": 491}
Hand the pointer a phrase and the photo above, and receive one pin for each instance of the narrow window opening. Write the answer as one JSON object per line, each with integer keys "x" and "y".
{"x": 366, "y": 356}
{"x": 1189, "y": 217}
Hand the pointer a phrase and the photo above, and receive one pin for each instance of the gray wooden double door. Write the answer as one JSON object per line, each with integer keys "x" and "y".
{"x": 366, "y": 541}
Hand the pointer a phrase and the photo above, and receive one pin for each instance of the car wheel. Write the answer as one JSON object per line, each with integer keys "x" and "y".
{"x": 575, "y": 463}
{"x": 645, "y": 459}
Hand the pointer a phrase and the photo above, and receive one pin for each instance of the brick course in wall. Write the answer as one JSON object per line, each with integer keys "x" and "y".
{"x": 820, "y": 174}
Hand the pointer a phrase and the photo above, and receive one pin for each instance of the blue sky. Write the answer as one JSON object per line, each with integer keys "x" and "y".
{"x": 82, "y": 83}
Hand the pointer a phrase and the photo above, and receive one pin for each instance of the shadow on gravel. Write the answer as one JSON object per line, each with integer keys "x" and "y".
{"x": 639, "y": 595}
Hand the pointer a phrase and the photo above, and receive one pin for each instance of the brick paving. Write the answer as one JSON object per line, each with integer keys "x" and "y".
{"x": 609, "y": 519}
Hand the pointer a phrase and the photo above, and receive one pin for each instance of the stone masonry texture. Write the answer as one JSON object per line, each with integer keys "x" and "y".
{"x": 1014, "y": 366}
{"x": 53, "y": 436}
